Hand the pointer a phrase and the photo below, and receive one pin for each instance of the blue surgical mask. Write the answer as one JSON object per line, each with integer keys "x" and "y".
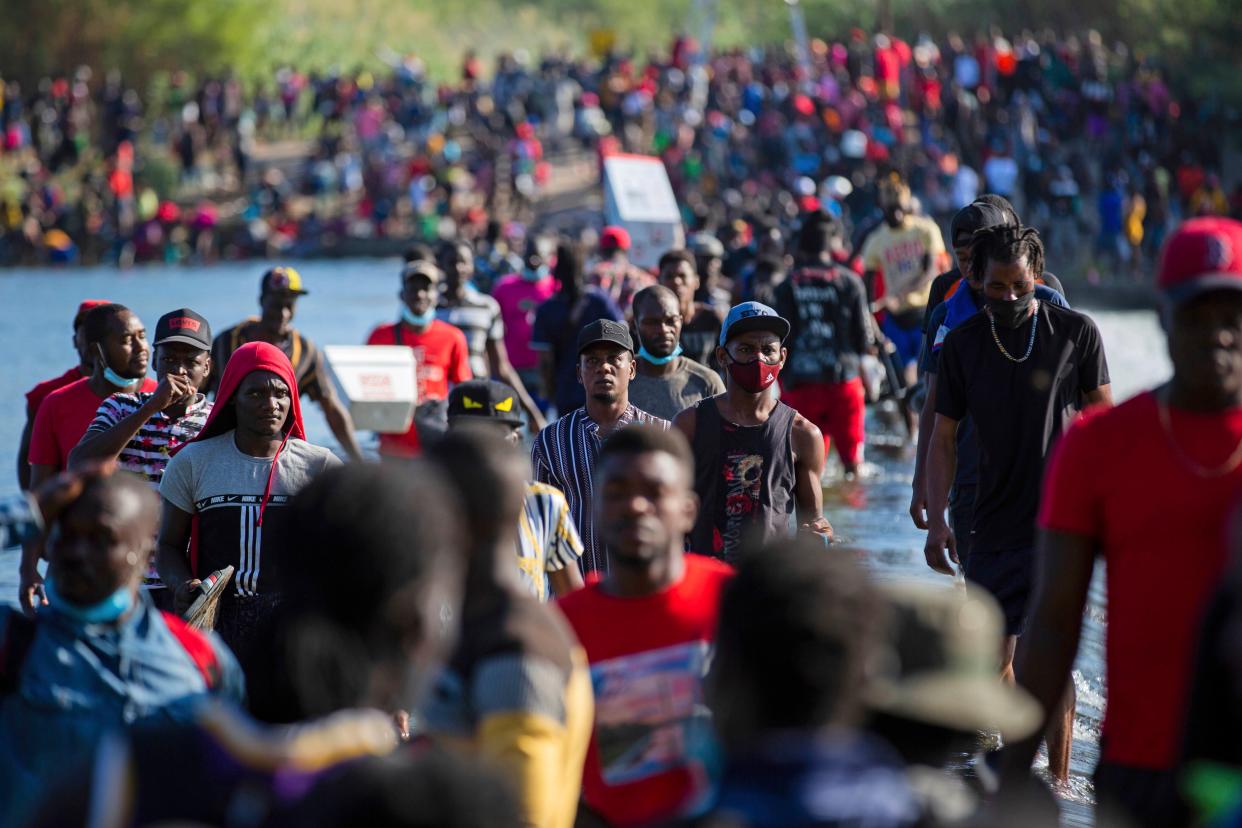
{"x": 537, "y": 274}
{"x": 107, "y": 611}
{"x": 655, "y": 360}
{"x": 114, "y": 378}
{"x": 418, "y": 320}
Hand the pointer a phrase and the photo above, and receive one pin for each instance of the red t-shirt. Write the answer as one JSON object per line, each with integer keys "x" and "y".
{"x": 1115, "y": 478}
{"x": 441, "y": 359}
{"x": 651, "y": 747}
{"x": 62, "y": 419}
{"x": 35, "y": 396}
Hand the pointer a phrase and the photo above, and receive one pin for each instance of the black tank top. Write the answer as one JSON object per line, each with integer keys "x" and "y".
{"x": 744, "y": 476}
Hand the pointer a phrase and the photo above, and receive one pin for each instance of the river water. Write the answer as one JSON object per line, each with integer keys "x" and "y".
{"x": 347, "y": 298}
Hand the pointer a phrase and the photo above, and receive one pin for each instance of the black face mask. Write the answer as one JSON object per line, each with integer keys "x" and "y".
{"x": 1010, "y": 313}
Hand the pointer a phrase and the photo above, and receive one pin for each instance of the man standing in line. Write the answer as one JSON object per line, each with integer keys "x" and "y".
{"x": 116, "y": 341}
{"x": 279, "y": 291}
{"x": 615, "y": 274}
{"x": 1020, "y": 370}
{"x": 477, "y": 315}
{"x": 35, "y": 396}
{"x": 441, "y": 355}
{"x": 700, "y": 323}
{"x": 1143, "y": 512}
{"x": 519, "y": 296}
{"x": 548, "y": 546}
{"x": 667, "y": 382}
{"x": 829, "y": 332}
{"x": 648, "y": 628}
{"x": 226, "y": 492}
{"x": 564, "y": 453}
{"x": 758, "y": 463}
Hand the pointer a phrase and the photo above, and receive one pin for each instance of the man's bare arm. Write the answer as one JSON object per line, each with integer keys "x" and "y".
{"x": 170, "y": 553}
{"x": 941, "y": 467}
{"x": 498, "y": 362}
{"x": 927, "y": 422}
{"x": 1101, "y": 396}
{"x": 809, "y": 457}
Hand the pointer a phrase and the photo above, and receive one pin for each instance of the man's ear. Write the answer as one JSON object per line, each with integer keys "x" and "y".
{"x": 578, "y": 374}
{"x": 784, "y": 355}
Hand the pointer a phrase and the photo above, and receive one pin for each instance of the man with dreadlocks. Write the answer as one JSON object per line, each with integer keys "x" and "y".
{"x": 1020, "y": 370}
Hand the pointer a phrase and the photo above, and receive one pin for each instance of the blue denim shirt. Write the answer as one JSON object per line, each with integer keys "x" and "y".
{"x": 79, "y": 681}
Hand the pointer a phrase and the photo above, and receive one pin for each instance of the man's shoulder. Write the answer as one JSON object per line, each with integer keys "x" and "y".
{"x": 384, "y": 334}
{"x": 48, "y": 386}
{"x": 709, "y": 569}
{"x": 699, "y": 370}
{"x": 198, "y": 449}
{"x": 440, "y": 328}
{"x": 309, "y": 451}
{"x": 545, "y": 491}
{"x": 68, "y": 396}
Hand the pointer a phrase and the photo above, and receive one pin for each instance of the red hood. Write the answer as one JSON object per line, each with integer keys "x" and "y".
{"x": 251, "y": 357}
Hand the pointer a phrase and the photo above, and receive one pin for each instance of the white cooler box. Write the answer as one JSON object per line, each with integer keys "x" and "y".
{"x": 376, "y": 383}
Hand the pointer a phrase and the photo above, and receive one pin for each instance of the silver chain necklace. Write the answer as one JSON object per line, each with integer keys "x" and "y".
{"x": 1030, "y": 345}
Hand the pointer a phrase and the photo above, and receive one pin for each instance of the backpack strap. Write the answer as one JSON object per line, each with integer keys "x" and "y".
{"x": 19, "y": 632}
{"x": 197, "y": 646}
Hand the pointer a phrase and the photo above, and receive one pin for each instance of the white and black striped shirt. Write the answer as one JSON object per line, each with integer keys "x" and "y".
{"x": 564, "y": 456}
{"x": 147, "y": 451}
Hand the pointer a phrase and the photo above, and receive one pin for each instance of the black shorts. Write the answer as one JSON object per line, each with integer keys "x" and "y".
{"x": 1008, "y": 576}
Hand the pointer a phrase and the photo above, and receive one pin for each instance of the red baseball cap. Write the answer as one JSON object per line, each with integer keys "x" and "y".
{"x": 614, "y": 238}
{"x": 1203, "y": 254}
{"x": 86, "y": 306}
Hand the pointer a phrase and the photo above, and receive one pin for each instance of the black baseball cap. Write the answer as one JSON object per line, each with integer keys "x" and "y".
{"x": 485, "y": 400}
{"x": 978, "y": 215}
{"x": 605, "y": 330}
{"x": 185, "y": 326}
{"x": 282, "y": 280}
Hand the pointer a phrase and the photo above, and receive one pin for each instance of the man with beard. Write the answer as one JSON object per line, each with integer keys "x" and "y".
{"x": 564, "y": 453}
{"x": 279, "y": 291}
{"x": 648, "y": 629}
{"x": 757, "y": 462}
{"x": 667, "y": 382}
{"x": 1020, "y": 370}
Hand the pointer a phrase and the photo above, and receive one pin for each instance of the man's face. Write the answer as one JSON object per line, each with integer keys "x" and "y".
{"x": 458, "y": 265}
{"x": 709, "y": 268}
{"x": 419, "y": 294}
{"x": 100, "y": 543}
{"x": 1007, "y": 281}
{"x": 262, "y": 401}
{"x": 962, "y": 254}
{"x": 276, "y": 311}
{"x": 659, "y": 326}
{"x": 511, "y": 433}
{"x": 680, "y": 278}
{"x": 643, "y": 506}
{"x": 182, "y": 360}
{"x": 752, "y": 345}
{"x": 1205, "y": 342}
{"x": 605, "y": 370}
{"x": 125, "y": 347}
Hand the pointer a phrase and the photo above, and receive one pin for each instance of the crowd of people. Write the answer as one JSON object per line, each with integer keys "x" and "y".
{"x": 645, "y": 619}
{"x": 1089, "y": 139}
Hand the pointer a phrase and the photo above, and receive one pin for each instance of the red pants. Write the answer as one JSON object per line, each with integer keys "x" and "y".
{"x": 837, "y": 409}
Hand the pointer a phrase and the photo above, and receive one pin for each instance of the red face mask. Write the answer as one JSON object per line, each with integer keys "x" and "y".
{"x": 754, "y": 376}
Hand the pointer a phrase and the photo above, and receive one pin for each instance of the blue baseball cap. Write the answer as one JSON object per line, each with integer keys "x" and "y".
{"x": 753, "y": 316}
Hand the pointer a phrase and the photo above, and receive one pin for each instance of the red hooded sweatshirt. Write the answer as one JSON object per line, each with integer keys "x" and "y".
{"x": 251, "y": 357}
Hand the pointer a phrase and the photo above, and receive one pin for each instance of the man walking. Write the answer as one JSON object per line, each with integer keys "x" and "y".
{"x": 829, "y": 332}
{"x": 564, "y": 453}
{"x": 279, "y": 291}
{"x": 648, "y": 628}
{"x": 1020, "y": 370}
{"x": 757, "y": 462}
{"x": 1144, "y": 512}
{"x": 700, "y": 323}
{"x": 667, "y": 381}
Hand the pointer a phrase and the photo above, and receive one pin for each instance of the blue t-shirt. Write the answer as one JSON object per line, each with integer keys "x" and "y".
{"x": 556, "y": 330}
{"x": 967, "y": 473}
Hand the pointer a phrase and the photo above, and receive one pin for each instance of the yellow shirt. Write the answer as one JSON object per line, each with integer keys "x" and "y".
{"x": 902, "y": 255}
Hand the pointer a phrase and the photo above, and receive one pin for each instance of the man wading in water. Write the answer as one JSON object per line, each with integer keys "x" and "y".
{"x": 757, "y": 462}
{"x": 1020, "y": 370}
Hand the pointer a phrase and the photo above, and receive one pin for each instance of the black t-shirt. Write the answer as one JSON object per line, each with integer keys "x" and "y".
{"x": 1018, "y": 409}
{"x": 701, "y": 335}
{"x": 828, "y": 330}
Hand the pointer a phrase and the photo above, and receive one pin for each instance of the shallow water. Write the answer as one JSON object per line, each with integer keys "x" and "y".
{"x": 349, "y": 297}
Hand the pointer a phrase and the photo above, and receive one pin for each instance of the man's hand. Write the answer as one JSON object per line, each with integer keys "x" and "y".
{"x": 30, "y": 594}
{"x": 940, "y": 540}
{"x": 171, "y": 391}
{"x": 918, "y": 507}
{"x": 185, "y": 595}
{"x": 820, "y": 526}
